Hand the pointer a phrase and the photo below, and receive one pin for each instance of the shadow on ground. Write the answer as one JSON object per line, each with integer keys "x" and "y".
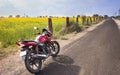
{"x": 62, "y": 65}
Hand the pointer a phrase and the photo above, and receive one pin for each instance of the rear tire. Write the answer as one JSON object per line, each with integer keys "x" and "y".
{"x": 31, "y": 63}
{"x": 56, "y": 49}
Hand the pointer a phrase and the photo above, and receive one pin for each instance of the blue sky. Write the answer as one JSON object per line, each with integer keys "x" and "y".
{"x": 58, "y": 7}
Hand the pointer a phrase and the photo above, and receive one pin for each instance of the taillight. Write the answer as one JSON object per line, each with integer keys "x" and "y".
{"x": 20, "y": 44}
{"x": 17, "y": 44}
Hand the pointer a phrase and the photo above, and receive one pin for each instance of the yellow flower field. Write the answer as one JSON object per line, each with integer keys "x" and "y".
{"x": 14, "y": 29}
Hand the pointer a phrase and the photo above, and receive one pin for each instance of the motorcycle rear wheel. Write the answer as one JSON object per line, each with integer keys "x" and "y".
{"x": 32, "y": 65}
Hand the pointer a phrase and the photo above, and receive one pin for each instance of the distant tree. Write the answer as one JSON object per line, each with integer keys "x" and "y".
{"x": 25, "y": 16}
{"x": 95, "y": 15}
{"x": 78, "y": 15}
{"x": 50, "y": 16}
{"x": 46, "y": 16}
{"x": 117, "y": 17}
{"x": 17, "y": 16}
{"x": 40, "y": 16}
{"x": 10, "y": 16}
{"x": 1, "y": 16}
{"x": 73, "y": 16}
{"x": 113, "y": 17}
{"x": 105, "y": 16}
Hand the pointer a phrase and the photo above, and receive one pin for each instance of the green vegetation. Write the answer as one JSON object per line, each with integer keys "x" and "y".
{"x": 73, "y": 26}
{"x": 13, "y": 30}
{"x": 64, "y": 38}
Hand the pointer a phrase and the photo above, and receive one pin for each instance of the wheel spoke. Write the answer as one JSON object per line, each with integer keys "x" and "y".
{"x": 55, "y": 48}
{"x": 37, "y": 65}
{"x": 33, "y": 65}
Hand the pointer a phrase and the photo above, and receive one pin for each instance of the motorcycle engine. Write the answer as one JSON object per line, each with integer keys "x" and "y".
{"x": 44, "y": 48}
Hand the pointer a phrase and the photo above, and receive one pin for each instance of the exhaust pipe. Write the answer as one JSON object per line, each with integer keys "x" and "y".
{"x": 40, "y": 56}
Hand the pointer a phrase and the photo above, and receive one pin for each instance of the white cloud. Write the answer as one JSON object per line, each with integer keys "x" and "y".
{"x": 50, "y": 7}
{"x": 39, "y": 6}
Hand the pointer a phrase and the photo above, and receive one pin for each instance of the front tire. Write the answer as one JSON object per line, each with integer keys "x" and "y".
{"x": 32, "y": 65}
{"x": 56, "y": 49}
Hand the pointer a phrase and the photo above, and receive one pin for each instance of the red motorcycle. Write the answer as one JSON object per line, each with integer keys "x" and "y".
{"x": 35, "y": 52}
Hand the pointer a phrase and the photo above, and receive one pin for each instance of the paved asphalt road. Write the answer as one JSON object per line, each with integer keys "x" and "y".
{"x": 96, "y": 53}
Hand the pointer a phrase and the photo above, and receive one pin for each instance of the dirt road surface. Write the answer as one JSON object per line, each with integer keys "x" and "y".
{"x": 95, "y": 53}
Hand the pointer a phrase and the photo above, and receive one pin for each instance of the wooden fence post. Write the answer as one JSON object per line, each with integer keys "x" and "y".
{"x": 67, "y": 22}
{"x": 87, "y": 21}
{"x": 91, "y": 20}
{"x": 50, "y": 25}
{"x": 97, "y": 19}
{"x": 83, "y": 19}
{"x": 77, "y": 20}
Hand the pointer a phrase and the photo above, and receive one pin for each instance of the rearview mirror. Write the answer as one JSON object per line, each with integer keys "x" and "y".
{"x": 36, "y": 28}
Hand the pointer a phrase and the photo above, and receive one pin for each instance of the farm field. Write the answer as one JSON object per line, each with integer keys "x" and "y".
{"x": 16, "y": 29}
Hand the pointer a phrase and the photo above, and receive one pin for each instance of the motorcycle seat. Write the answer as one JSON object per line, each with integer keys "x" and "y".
{"x": 29, "y": 41}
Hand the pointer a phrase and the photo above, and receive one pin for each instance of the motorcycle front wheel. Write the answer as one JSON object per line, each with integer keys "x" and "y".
{"x": 32, "y": 65}
{"x": 56, "y": 49}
